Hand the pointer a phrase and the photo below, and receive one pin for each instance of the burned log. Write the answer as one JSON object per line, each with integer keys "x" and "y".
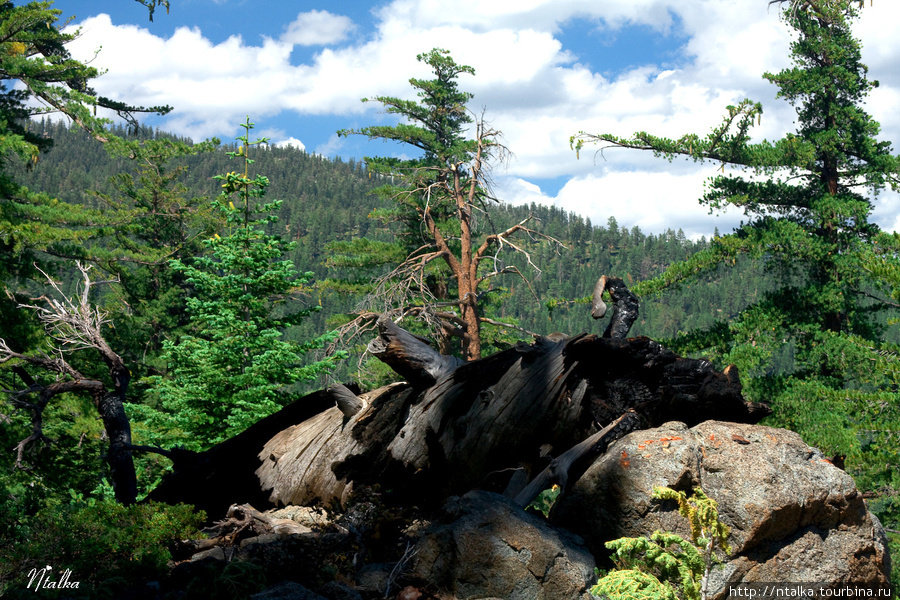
{"x": 487, "y": 419}
{"x": 225, "y": 474}
{"x": 410, "y": 356}
{"x": 535, "y": 412}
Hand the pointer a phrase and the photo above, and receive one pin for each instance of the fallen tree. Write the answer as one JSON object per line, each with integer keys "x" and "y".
{"x": 537, "y": 413}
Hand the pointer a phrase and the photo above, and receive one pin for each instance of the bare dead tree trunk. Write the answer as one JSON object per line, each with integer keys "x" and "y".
{"x": 76, "y": 325}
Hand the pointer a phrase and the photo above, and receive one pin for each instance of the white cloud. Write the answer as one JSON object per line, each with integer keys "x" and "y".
{"x": 331, "y": 147}
{"x": 534, "y": 89}
{"x": 655, "y": 201}
{"x": 291, "y": 141}
{"x": 317, "y": 28}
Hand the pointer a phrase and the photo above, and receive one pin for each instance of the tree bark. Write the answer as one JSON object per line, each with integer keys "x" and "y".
{"x": 410, "y": 356}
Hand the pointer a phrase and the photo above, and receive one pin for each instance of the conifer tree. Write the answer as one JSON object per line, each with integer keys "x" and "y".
{"x": 38, "y": 76}
{"x": 436, "y": 197}
{"x": 808, "y": 212}
{"x": 232, "y": 370}
{"x": 155, "y": 219}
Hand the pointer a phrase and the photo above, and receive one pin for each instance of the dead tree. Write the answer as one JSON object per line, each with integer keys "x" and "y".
{"x": 538, "y": 412}
{"x": 74, "y": 324}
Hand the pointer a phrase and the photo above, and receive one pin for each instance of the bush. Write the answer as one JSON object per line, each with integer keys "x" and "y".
{"x": 663, "y": 565}
{"x": 105, "y": 546}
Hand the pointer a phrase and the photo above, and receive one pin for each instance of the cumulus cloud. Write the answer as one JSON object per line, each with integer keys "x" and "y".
{"x": 534, "y": 89}
{"x": 290, "y": 142}
{"x": 317, "y": 28}
{"x": 654, "y": 202}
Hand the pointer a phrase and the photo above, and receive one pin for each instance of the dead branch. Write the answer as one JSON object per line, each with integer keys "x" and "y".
{"x": 558, "y": 471}
{"x": 75, "y": 324}
{"x": 410, "y": 355}
{"x": 508, "y": 326}
{"x": 403, "y": 284}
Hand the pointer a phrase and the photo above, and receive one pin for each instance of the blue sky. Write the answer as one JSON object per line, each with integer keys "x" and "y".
{"x": 545, "y": 69}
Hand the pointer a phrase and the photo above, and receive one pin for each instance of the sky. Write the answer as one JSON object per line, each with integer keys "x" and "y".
{"x": 544, "y": 70}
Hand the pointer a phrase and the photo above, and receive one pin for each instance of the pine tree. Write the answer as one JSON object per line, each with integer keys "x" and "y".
{"x": 436, "y": 197}
{"x": 808, "y": 225}
{"x": 155, "y": 219}
{"x": 234, "y": 368}
{"x": 38, "y": 76}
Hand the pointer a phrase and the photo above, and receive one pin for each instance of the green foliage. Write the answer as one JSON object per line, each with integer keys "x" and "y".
{"x": 153, "y": 4}
{"x": 105, "y": 545}
{"x": 665, "y": 565}
{"x": 328, "y": 200}
{"x": 632, "y": 584}
{"x": 545, "y": 500}
{"x": 157, "y": 219}
{"x": 813, "y": 345}
{"x": 234, "y": 366}
{"x": 71, "y": 465}
{"x": 39, "y": 76}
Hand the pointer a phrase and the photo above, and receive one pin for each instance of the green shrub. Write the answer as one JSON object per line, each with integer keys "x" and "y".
{"x": 106, "y": 546}
{"x": 665, "y": 566}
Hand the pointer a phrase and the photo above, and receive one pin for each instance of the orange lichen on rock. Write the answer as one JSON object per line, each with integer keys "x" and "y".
{"x": 665, "y": 441}
{"x": 624, "y": 460}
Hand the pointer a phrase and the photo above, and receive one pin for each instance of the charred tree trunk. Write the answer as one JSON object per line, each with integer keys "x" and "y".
{"x": 537, "y": 412}
{"x": 410, "y": 356}
{"x": 110, "y": 405}
{"x": 625, "y": 306}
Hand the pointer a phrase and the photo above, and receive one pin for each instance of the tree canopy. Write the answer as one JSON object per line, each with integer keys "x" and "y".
{"x": 233, "y": 366}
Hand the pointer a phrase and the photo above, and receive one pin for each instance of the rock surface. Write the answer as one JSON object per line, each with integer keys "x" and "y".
{"x": 486, "y": 547}
{"x": 287, "y": 590}
{"x": 793, "y": 515}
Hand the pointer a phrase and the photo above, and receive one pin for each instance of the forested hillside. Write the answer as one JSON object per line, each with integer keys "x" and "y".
{"x": 325, "y": 200}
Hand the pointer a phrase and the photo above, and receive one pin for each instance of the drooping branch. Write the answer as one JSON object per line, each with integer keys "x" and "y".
{"x": 499, "y": 241}
{"x": 726, "y": 143}
{"x": 402, "y": 284}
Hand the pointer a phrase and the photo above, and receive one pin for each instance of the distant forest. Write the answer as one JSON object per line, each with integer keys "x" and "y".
{"x": 330, "y": 199}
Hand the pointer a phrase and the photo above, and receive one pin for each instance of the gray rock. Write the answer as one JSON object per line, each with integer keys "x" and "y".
{"x": 793, "y": 515}
{"x": 286, "y": 590}
{"x": 214, "y": 553}
{"x": 335, "y": 590}
{"x": 486, "y": 547}
{"x": 374, "y": 577}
